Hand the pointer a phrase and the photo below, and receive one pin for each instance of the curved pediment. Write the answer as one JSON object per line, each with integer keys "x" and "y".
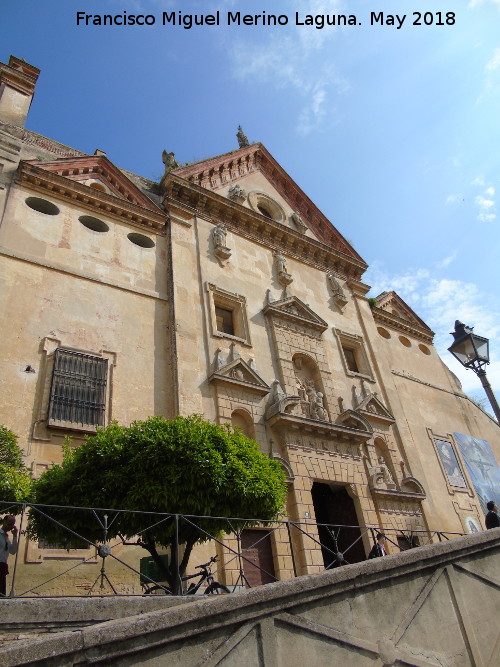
{"x": 352, "y": 419}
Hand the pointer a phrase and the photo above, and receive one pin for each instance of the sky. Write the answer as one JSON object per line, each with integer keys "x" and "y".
{"x": 394, "y": 132}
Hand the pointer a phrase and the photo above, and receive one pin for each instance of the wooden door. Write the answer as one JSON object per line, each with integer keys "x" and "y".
{"x": 258, "y": 564}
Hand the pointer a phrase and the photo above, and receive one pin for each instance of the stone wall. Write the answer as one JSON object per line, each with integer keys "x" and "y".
{"x": 434, "y": 605}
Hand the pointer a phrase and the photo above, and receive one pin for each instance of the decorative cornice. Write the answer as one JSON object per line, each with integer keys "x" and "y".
{"x": 322, "y": 428}
{"x": 242, "y": 221}
{"x": 19, "y": 75}
{"x": 399, "y": 495}
{"x": 60, "y": 187}
{"x": 218, "y": 172}
{"x": 420, "y": 332}
{"x": 219, "y": 378}
{"x": 309, "y": 320}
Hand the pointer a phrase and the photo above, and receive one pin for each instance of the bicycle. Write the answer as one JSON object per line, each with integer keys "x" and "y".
{"x": 213, "y": 587}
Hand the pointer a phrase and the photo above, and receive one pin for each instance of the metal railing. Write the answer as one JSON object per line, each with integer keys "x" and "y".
{"x": 299, "y": 546}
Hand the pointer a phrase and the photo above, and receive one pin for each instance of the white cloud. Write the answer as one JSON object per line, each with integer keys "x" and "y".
{"x": 485, "y": 202}
{"x": 446, "y": 261}
{"x": 453, "y": 199}
{"x": 439, "y": 302}
{"x": 494, "y": 63}
{"x": 289, "y": 59}
{"x": 477, "y": 3}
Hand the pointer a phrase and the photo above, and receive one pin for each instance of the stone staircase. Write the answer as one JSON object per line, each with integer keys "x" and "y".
{"x": 435, "y": 606}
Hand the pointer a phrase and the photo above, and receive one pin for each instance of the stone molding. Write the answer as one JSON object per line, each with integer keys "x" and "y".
{"x": 219, "y": 171}
{"x": 49, "y": 183}
{"x": 318, "y": 619}
{"x": 19, "y": 75}
{"x": 247, "y": 223}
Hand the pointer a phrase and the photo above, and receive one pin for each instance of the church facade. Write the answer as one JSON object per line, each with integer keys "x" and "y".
{"x": 223, "y": 290}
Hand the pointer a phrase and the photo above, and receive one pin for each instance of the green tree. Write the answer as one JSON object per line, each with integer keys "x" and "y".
{"x": 183, "y": 466}
{"x": 15, "y": 479}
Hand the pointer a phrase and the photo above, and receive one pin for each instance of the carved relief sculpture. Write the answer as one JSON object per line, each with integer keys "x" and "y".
{"x": 283, "y": 276}
{"x": 169, "y": 161}
{"x": 236, "y": 193}
{"x": 219, "y": 235}
{"x": 380, "y": 476}
{"x": 311, "y": 400}
{"x": 337, "y": 292}
{"x": 298, "y": 222}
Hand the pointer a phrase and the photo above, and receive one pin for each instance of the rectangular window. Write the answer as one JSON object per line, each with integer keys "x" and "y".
{"x": 350, "y": 359}
{"x": 77, "y": 544}
{"x": 225, "y": 322}
{"x": 228, "y": 314}
{"x": 78, "y": 390}
{"x": 353, "y": 353}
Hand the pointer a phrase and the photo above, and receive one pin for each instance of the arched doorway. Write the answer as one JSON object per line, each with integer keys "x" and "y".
{"x": 334, "y": 506}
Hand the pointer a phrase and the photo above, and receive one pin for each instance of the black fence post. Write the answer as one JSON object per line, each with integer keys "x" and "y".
{"x": 292, "y": 552}
{"x": 12, "y": 588}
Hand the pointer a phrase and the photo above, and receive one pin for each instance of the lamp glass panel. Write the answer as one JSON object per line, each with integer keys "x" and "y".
{"x": 482, "y": 348}
{"x": 464, "y": 351}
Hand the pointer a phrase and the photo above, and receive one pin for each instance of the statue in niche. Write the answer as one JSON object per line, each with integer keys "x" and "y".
{"x": 220, "y": 238}
{"x": 380, "y": 475}
{"x": 283, "y": 276}
{"x": 311, "y": 400}
{"x": 337, "y": 291}
{"x": 384, "y": 468}
{"x": 169, "y": 161}
{"x": 298, "y": 222}
{"x": 236, "y": 193}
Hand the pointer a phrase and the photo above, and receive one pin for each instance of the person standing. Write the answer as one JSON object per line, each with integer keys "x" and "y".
{"x": 492, "y": 519}
{"x": 6, "y": 547}
{"x": 379, "y": 547}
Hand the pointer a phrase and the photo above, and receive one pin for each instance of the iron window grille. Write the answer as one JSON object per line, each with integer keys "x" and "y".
{"x": 78, "y": 390}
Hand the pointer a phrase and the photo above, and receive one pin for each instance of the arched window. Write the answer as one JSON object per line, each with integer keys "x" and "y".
{"x": 241, "y": 419}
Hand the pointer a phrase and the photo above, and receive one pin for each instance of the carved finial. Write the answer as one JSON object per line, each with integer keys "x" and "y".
{"x": 169, "y": 161}
{"x": 242, "y": 138}
{"x": 219, "y": 359}
{"x": 233, "y": 352}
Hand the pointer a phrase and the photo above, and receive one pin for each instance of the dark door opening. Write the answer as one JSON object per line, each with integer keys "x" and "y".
{"x": 258, "y": 564}
{"x": 334, "y": 506}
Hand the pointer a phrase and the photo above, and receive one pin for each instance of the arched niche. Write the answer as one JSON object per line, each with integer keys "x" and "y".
{"x": 309, "y": 387}
{"x": 242, "y": 420}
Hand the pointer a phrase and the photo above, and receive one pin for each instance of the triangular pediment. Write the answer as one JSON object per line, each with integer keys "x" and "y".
{"x": 219, "y": 172}
{"x": 98, "y": 173}
{"x": 372, "y": 407}
{"x": 93, "y": 183}
{"x": 292, "y": 308}
{"x": 239, "y": 372}
{"x": 394, "y": 304}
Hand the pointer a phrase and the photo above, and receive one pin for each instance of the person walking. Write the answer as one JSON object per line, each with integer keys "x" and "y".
{"x": 379, "y": 547}
{"x": 492, "y": 520}
{"x": 7, "y": 547}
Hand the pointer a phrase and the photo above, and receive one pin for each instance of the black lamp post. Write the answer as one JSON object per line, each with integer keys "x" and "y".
{"x": 472, "y": 351}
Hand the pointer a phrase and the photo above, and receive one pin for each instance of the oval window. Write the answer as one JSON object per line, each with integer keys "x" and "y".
{"x": 383, "y": 332}
{"x": 94, "y": 224}
{"x": 141, "y": 240}
{"x": 42, "y": 205}
{"x": 424, "y": 349}
{"x": 404, "y": 341}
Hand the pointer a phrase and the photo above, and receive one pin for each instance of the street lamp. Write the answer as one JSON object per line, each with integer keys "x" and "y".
{"x": 472, "y": 351}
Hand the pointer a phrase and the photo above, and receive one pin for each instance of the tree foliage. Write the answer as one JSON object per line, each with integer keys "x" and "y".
{"x": 15, "y": 480}
{"x": 185, "y": 466}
